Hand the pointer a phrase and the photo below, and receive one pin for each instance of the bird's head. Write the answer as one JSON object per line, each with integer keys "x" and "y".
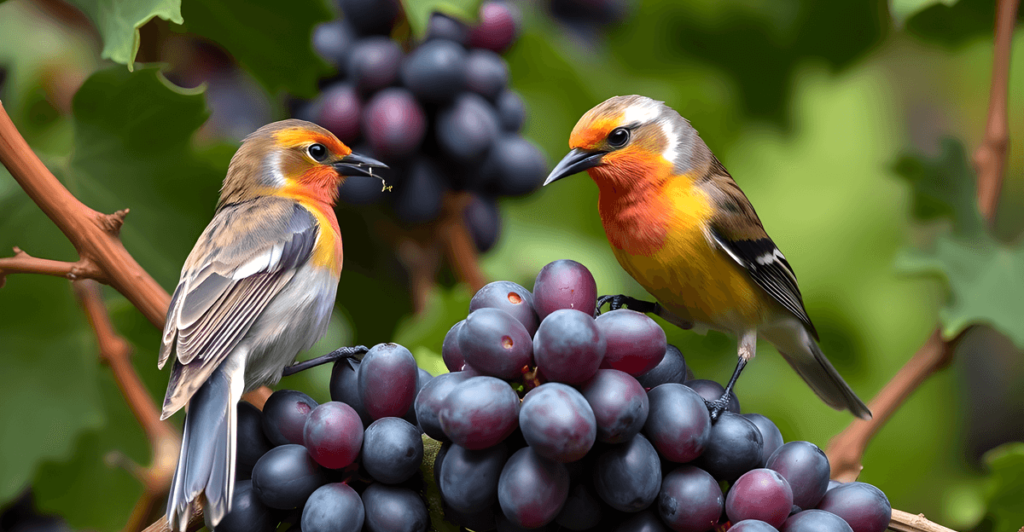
{"x": 293, "y": 158}
{"x": 631, "y": 139}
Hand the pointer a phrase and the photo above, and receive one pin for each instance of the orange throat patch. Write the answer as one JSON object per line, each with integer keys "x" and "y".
{"x": 635, "y": 212}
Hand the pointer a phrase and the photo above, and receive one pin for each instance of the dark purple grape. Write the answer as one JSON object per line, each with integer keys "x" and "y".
{"x": 752, "y": 525}
{"x": 286, "y": 476}
{"x": 423, "y": 377}
{"x": 769, "y": 434}
{"x": 394, "y": 509}
{"x": 439, "y": 463}
{"x": 510, "y": 297}
{"x": 502, "y": 524}
{"x": 678, "y": 423}
{"x": 690, "y": 500}
{"x": 395, "y": 124}
{"x": 620, "y": 405}
{"x": 495, "y": 343}
{"x": 480, "y": 412}
{"x": 392, "y": 450}
{"x": 513, "y": 167}
{"x": 486, "y": 73}
{"x": 477, "y": 520}
{"x": 252, "y": 442}
{"x": 373, "y": 64}
{"x": 532, "y": 489}
{"x": 806, "y": 469}
{"x": 418, "y": 199}
{"x": 734, "y": 447}
{"x": 332, "y": 508}
{"x": 564, "y": 284}
{"x": 333, "y": 435}
{"x": 582, "y": 509}
{"x": 467, "y": 128}
{"x": 628, "y": 475}
{"x": 645, "y": 521}
{"x": 370, "y": 16}
{"x": 431, "y": 398}
{"x": 248, "y": 513}
{"x": 568, "y": 347}
{"x": 511, "y": 111}
{"x": 672, "y": 368}
{"x": 450, "y": 352}
{"x": 333, "y": 41}
{"x": 557, "y": 422}
{"x": 339, "y": 110}
{"x": 435, "y": 71}
{"x": 712, "y": 391}
{"x": 442, "y": 26}
{"x": 864, "y": 507}
{"x": 498, "y": 28}
{"x": 469, "y": 479}
{"x": 815, "y": 521}
{"x": 345, "y": 387}
{"x": 636, "y": 343}
{"x": 761, "y": 494}
{"x": 387, "y": 380}
{"x": 484, "y": 222}
{"x": 284, "y": 415}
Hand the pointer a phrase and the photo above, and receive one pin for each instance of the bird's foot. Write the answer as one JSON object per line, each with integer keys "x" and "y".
{"x": 615, "y": 302}
{"x": 717, "y": 407}
{"x": 337, "y": 354}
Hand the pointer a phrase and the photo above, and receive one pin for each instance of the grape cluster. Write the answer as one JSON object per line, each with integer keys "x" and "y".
{"x": 588, "y": 18}
{"x": 441, "y": 114}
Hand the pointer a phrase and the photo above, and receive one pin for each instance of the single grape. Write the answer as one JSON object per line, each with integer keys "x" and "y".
{"x": 469, "y": 479}
{"x": 480, "y": 412}
{"x": 636, "y": 343}
{"x": 333, "y": 435}
{"x": 619, "y": 403}
{"x": 510, "y": 297}
{"x": 248, "y": 513}
{"x": 394, "y": 509}
{"x": 532, "y": 489}
{"x": 806, "y": 469}
{"x": 511, "y": 111}
{"x": 477, "y": 520}
{"x": 392, "y": 450}
{"x": 486, "y": 73}
{"x": 498, "y": 27}
{"x": 769, "y": 434}
{"x": 864, "y": 507}
{"x": 339, "y": 110}
{"x": 495, "y": 343}
{"x": 761, "y": 494}
{"x": 252, "y": 442}
{"x": 387, "y": 380}
{"x": 332, "y": 508}
{"x": 370, "y": 16}
{"x": 395, "y": 124}
{"x": 435, "y": 71}
{"x": 678, "y": 423}
{"x": 373, "y": 63}
{"x": 444, "y": 27}
{"x": 690, "y": 500}
{"x": 568, "y": 346}
{"x": 672, "y": 368}
{"x": 284, "y": 415}
{"x": 712, "y": 391}
{"x": 513, "y": 167}
{"x": 450, "y": 352}
{"x": 286, "y": 476}
{"x": 557, "y": 422}
{"x": 815, "y": 521}
{"x": 467, "y": 128}
{"x": 564, "y": 284}
{"x": 582, "y": 509}
{"x": 628, "y": 475}
{"x": 418, "y": 199}
{"x": 502, "y": 524}
{"x": 752, "y": 525}
{"x": 423, "y": 377}
{"x": 430, "y": 399}
{"x": 344, "y": 387}
{"x": 645, "y": 521}
{"x": 734, "y": 447}
{"x": 484, "y": 222}
{"x": 333, "y": 41}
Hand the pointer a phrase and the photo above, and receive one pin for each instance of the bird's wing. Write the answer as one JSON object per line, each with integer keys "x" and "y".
{"x": 737, "y": 230}
{"x": 242, "y": 260}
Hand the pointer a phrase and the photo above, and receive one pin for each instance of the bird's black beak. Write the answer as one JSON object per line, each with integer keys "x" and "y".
{"x": 576, "y": 161}
{"x": 355, "y": 164}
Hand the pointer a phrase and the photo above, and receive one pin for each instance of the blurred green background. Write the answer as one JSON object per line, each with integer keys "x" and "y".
{"x": 809, "y": 103}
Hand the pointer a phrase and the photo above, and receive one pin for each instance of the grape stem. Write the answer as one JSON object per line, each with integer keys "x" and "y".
{"x": 846, "y": 449}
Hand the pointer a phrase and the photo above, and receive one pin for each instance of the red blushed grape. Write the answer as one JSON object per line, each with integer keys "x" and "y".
{"x": 394, "y": 509}
{"x": 373, "y": 63}
{"x": 806, "y": 469}
{"x": 712, "y": 391}
{"x": 286, "y": 476}
{"x": 252, "y": 443}
{"x": 620, "y": 405}
{"x": 734, "y": 447}
{"x": 636, "y": 343}
{"x": 690, "y": 500}
{"x": 498, "y": 27}
{"x": 339, "y": 110}
{"x": 480, "y": 412}
{"x": 248, "y": 513}
{"x": 678, "y": 423}
{"x": 495, "y": 343}
{"x": 430, "y": 399}
{"x": 486, "y": 73}
{"x": 284, "y": 415}
{"x": 760, "y": 494}
{"x": 450, "y": 352}
{"x": 532, "y": 489}
{"x": 332, "y": 508}
{"x": 510, "y": 297}
{"x": 628, "y": 475}
{"x": 769, "y": 433}
{"x": 392, "y": 450}
{"x": 564, "y": 284}
{"x": 394, "y": 123}
{"x": 333, "y": 435}
{"x": 815, "y": 521}
{"x": 557, "y": 422}
{"x": 864, "y": 507}
{"x": 568, "y": 347}
{"x": 752, "y": 525}
{"x": 469, "y": 479}
{"x": 387, "y": 381}
{"x": 672, "y": 368}
{"x": 435, "y": 71}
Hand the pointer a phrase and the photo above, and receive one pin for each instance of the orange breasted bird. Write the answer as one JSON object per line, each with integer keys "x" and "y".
{"x": 680, "y": 225}
{"x": 258, "y": 287}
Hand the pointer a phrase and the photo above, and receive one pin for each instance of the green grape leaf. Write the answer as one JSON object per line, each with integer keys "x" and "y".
{"x": 903, "y": 9}
{"x": 1006, "y": 486}
{"x": 418, "y": 12}
{"x": 269, "y": 38}
{"x": 118, "y": 22}
{"x": 943, "y": 187}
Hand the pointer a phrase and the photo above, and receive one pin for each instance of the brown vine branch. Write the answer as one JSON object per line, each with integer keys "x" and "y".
{"x": 457, "y": 243}
{"x": 907, "y": 522}
{"x": 22, "y": 262}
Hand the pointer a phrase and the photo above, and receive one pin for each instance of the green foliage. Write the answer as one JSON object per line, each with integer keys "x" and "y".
{"x": 952, "y": 22}
{"x": 904, "y": 9}
{"x": 1006, "y": 486}
{"x": 431, "y": 492}
{"x": 118, "y": 21}
{"x": 418, "y": 11}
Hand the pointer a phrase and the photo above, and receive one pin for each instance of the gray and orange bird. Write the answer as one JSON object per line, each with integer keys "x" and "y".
{"x": 257, "y": 288}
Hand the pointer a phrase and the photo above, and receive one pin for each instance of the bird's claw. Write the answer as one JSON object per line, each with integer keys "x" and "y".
{"x": 337, "y": 354}
{"x": 617, "y": 301}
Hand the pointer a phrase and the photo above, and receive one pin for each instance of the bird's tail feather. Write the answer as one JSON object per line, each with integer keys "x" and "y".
{"x": 812, "y": 365}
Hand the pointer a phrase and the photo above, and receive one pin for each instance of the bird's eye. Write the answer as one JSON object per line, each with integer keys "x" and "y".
{"x": 618, "y": 137}
{"x": 318, "y": 152}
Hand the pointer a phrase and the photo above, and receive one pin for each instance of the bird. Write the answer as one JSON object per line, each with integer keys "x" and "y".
{"x": 679, "y": 224}
{"x": 258, "y": 287}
